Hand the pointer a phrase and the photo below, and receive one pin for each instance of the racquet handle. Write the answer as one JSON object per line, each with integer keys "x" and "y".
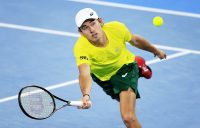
{"x": 77, "y": 103}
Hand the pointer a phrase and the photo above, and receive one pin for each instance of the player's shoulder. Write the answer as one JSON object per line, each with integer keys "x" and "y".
{"x": 80, "y": 43}
{"x": 114, "y": 24}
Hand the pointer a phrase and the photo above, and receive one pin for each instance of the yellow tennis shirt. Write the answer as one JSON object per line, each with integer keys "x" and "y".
{"x": 105, "y": 61}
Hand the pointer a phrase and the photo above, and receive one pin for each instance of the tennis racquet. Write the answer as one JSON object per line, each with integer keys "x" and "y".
{"x": 38, "y": 103}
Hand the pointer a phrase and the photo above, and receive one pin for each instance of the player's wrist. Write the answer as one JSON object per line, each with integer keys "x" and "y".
{"x": 86, "y": 95}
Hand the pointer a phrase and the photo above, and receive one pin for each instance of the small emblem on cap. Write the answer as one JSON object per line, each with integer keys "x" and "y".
{"x": 91, "y": 13}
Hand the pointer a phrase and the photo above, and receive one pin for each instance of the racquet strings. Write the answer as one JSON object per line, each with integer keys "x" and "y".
{"x": 37, "y": 102}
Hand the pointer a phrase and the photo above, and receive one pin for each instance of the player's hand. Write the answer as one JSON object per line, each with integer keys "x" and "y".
{"x": 160, "y": 54}
{"x": 86, "y": 102}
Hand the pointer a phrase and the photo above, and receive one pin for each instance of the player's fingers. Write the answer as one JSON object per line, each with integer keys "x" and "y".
{"x": 87, "y": 105}
{"x": 162, "y": 55}
{"x": 165, "y": 56}
{"x": 83, "y": 105}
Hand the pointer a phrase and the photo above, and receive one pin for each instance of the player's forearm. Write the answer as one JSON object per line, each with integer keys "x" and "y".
{"x": 85, "y": 84}
{"x": 143, "y": 44}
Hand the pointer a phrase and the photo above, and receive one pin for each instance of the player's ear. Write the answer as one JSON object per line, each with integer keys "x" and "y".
{"x": 79, "y": 30}
{"x": 101, "y": 21}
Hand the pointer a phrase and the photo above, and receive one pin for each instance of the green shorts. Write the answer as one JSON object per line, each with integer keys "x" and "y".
{"x": 127, "y": 76}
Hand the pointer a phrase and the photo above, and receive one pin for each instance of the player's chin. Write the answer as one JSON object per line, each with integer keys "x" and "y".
{"x": 94, "y": 39}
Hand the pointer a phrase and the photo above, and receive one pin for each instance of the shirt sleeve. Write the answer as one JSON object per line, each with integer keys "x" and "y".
{"x": 81, "y": 55}
{"x": 127, "y": 33}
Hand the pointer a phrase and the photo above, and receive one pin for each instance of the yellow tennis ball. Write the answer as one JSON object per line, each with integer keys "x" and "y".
{"x": 158, "y": 21}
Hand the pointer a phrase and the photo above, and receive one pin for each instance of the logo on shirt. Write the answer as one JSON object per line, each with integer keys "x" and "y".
{"x": 83, "y": 58}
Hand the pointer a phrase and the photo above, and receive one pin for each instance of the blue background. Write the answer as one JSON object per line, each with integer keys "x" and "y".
{"x": 169, "y": 99}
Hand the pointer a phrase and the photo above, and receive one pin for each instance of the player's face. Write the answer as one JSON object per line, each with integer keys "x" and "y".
{"x": 91, "y": 29}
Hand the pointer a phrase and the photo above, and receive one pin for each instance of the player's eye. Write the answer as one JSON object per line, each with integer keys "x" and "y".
{"x": 84, "y": 27}
{"x": 92, "y": 23}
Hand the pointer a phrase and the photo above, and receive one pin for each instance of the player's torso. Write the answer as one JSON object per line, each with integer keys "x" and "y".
{"x": 108, "y": 54}
{"x": 106, "y": 61}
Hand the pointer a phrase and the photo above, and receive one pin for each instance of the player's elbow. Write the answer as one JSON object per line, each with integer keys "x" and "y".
{"x": 84, "y": 75}
{"x": 84, "y": 69}
{"x": 135, "y": 40}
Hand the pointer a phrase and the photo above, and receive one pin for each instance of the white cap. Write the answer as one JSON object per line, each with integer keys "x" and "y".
{"x": 84, "y": 14}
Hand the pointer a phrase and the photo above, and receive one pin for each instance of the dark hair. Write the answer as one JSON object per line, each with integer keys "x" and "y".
{"x": 79, "y": 28}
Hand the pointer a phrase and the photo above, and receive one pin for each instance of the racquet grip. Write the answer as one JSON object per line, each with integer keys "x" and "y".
{"x": 77, "y": 103}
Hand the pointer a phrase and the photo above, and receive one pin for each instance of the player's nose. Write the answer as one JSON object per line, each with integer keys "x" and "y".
{"x": 92, "y": 29}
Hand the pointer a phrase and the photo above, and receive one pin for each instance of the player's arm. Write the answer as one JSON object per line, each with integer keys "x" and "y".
{"x": 85, "y": 82}
{"x": 143, "y": 44}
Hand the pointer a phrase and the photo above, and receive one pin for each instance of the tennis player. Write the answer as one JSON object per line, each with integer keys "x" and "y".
{"x": 101, "y": 55}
